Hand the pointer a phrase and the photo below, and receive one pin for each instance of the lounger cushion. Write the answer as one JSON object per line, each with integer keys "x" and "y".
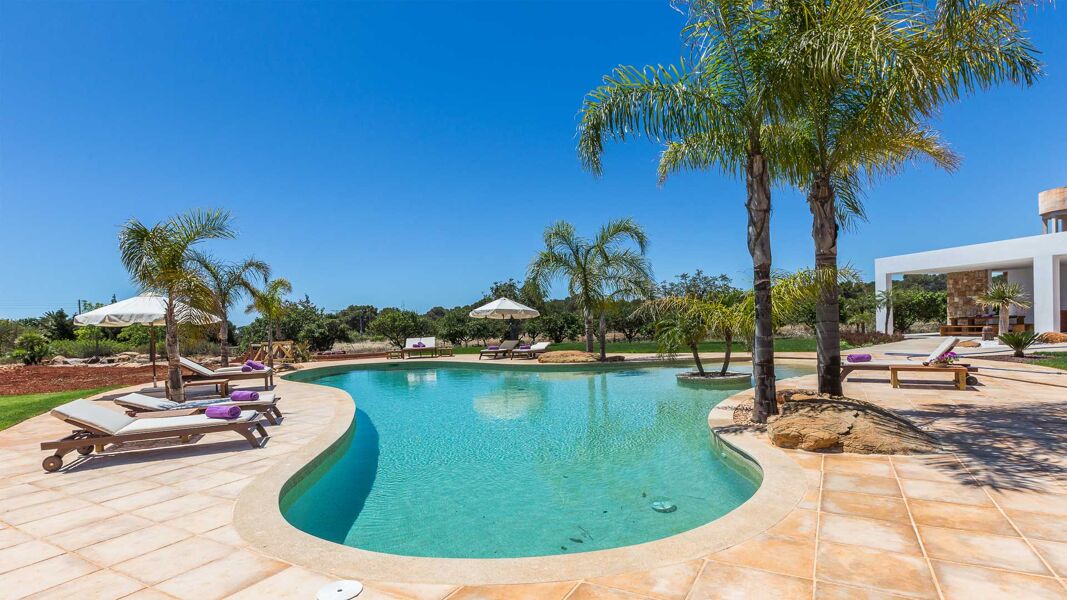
{"x": 942, "y": 348}
{"x": 239, "y": 371}
{"x": 92, "y": 416}
{"x": 183, "y": 422}
{"x": 150, "y": 403}
{"x": 195, "y": 367}
{"x": 147, "y": 402}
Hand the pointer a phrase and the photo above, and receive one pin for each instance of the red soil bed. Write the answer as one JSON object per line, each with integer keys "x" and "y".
{"x": 19, "y": 379}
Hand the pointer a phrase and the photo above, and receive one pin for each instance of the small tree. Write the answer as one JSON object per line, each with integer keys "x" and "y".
{"x": 227, "y": 282}
{"x": 1003, "y": 296}
{"x": 270, "y": 303}
{"x": 396, "y": 325}
{"x": 884, "y": 300}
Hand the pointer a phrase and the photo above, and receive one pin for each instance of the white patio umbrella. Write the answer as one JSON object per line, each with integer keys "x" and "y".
{"x": 504, "y": 308}
{"x": 147, "y": 309}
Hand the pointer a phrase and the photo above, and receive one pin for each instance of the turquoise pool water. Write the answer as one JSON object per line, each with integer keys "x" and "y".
{"x": 490, "y": 462}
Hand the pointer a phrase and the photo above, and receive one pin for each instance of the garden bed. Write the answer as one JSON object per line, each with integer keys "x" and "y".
{"x": 20, "y": 379}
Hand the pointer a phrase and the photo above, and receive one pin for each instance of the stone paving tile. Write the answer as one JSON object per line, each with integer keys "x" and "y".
{"x": 135, "y": 543}
{"x": 42, "y": 575}
{"x": 785, "y": 556}
{"x": 68, "y": 520}
{"x": 100, "y": 531}
{"x": 964, "y": 582}
{"x": 866, "y": 484}
{"x": 1039, "y": 525}
{"x": 971, "y": 547}
{"x": 522, "y": 591}
{"x": 872, "y": 533}
{"x": 719, "y": 580}
{"x": 865, "y": 505}
{"x": 945, "y": 492}
{"x": 902, "y": 574}
{"x": 26, "y": 553}
{"x": 169, "y": 561}
{"x": 228, "y": 575}
{"x": 101, "y": 585}
{"x": 415, "y": 591}
{"x": 825, "y": 590}
{"x": 1055, "y": 554}
{"x": 9, "y": 536}
{"x": 666, "y": 583}
{"x": 295, "y": 583}
{"x": 959, "y": 516}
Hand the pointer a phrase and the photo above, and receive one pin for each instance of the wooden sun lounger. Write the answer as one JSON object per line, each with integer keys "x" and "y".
{"x": 202, "y": 374}
{"x": 149, "y": 406}
{"x": 98, "y": 427}
{"x": 531, "y": 352}
{"x": 892, "y": 366}
{"x": 505, "y": 348}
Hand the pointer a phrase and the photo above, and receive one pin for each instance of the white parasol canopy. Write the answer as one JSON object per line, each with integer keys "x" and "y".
{"x": 503, "y": 308}
{"x": 146, "y": 309}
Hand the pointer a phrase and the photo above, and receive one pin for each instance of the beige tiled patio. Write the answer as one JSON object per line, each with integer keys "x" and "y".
{"x": 988, "y": 520}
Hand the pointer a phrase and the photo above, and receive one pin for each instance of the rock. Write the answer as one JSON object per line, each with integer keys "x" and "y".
{"x": 568, "y": 356}
{"x": 1052, "y": 337}
{"x": 847, "y": 425}
{"x": 59, "y": 360}
{"x": 92, "y": 360}
{"x": 969, "y": 344}
{"x": 796, "y": 395}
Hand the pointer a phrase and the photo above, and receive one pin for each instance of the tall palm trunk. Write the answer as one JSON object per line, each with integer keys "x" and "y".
{"x": 695, "y": 348}
{"x": 822, "y": 203}
{"x": 603, "y": 337}
{"x": 758, "y": 184}
{"x": 224, "y": 334}
{"x": 174, "y": 368}
{"x": 270, "y": 345}
{"x": 588, "y": 330}
{"x": 726, "y": 356}
{"x": 1003, "y": 321}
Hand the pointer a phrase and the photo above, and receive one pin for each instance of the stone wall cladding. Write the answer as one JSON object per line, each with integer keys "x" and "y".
{"x": 963, "y": 289}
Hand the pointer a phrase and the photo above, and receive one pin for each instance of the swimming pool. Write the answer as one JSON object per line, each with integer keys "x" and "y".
{"x": 489, "y": 461}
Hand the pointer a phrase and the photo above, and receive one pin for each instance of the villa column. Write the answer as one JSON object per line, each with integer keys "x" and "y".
{"x": 882, "y": 282}
{"x": 1046, "y": 293}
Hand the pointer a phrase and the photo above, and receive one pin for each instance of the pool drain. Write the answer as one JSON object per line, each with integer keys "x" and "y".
{"x": 345, "y": 589}
{"x": 664, "y": 506}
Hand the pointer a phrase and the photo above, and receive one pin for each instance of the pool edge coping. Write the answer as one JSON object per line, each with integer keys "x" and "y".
{"x": 259, "y": 521}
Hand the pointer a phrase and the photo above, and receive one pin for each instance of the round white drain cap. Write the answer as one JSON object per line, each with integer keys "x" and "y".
{"x": 345, "y": 589}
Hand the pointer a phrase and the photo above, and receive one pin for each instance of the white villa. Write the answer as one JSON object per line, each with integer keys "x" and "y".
{"x": 1037, "y": 263}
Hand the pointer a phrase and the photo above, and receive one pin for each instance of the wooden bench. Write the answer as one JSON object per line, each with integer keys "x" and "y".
{"x": 959, "y": 371}
{"x": 395, "y": 354}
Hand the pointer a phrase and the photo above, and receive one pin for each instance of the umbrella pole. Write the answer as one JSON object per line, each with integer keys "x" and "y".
{"x": 152, "y": 353}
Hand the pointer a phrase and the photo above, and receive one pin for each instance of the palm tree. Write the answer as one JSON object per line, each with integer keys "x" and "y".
{"x": 227, "y": 282}
{"x": 860, "y": 115}
{"x": 885, "y": 300}
{"x": 597, "y": 271}
{"x": 686, "y": 321}
{"x": 270, "y": 303}
{"x": 1003, "y": 296}
{"x": 160, "y": 259}
{"x": 728, "y": 96}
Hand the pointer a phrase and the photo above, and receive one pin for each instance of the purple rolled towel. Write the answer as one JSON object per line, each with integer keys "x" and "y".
{"x": 524, "y": 347}
{"x": 494, "y": 348}
{"x": 256, "y": 366}
{"x": 244, "y": 395}
{"x": 418, "y": 345}
{"x": 858, "y": 358}
{"x": 246, "y": 369}
{"x": 223, "y": 412}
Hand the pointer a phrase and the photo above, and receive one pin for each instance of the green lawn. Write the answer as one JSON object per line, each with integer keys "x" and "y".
{"x": 15, "y": 409}
{"x": 1056, "y": 360}
{"x": 780, "y": 345}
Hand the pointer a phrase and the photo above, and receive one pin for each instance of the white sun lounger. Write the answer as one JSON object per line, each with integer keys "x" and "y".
{"x": 883, "y": 365}
{"x": 99, "y": 427}
{"x": 136, "y": 404}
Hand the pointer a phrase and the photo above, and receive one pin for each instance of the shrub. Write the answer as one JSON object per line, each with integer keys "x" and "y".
{"x": 870, "y": 338}
{"x": 87, "y": 348}
{"x": 31, "y": 348}
{"x": 1018, "y": 340}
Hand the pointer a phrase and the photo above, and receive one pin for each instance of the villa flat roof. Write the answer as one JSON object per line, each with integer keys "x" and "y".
{"x": 1004, "y": 254}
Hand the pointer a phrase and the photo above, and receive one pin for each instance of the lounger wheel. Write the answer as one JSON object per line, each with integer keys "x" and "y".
{"x": 972, "y": 380}
{"x": 52, "y": 463}
{"x": 85, "y": 450}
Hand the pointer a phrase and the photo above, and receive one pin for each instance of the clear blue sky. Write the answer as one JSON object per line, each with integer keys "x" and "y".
{"x": 410, "y": 154}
